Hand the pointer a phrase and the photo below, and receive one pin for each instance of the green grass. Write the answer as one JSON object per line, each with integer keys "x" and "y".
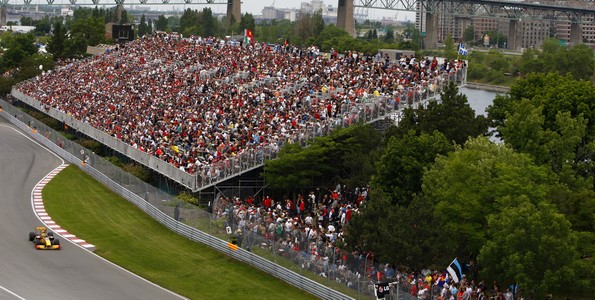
{"x": 130, "y": 238}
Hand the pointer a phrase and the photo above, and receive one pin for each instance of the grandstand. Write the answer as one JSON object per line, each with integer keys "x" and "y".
{"x": 199, "y": 110}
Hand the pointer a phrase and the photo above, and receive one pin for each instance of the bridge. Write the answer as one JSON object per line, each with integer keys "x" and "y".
{"x": 463, "y": 11}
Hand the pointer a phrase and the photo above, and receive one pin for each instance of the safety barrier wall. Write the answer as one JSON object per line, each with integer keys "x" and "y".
{"x": 153, "y": 200}
{"x": 144, "y": 196}
{"x": 366, "y": 109}
{"x": 150, "y": 161}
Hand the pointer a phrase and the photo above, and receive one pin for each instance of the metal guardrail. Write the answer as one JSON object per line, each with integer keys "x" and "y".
{"x": 71, "y": 152}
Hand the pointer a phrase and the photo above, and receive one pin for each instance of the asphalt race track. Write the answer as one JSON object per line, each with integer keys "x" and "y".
{"x": 70, "y": 273}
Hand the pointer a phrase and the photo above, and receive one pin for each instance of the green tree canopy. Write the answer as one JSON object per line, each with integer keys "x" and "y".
{"x": 450, "y": 49}
{"x": 547, "y": 116}
{"x": 452, "y": 116}
{"x": 56, "y": 43}
{"x": 401, "y": 167}
{"x": 530, "y": 244}
{"x": 577, "y": 60}
{"x": 477, "y": 181}
{"x": 469, "y": 35}
{"x": 18, "y": 46}
{"x": 161, "y": 24}
{"x": 400, "y": 235}
{"x": 142, "y": 26}
{"x": 344, "y": 156}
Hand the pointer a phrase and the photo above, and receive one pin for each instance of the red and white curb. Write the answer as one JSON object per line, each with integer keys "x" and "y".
{"x": 46, "y": 219}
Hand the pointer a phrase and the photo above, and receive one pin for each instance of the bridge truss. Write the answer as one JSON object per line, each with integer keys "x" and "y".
{"x": 120, "y": 2}
{"x": 485, "y": 8}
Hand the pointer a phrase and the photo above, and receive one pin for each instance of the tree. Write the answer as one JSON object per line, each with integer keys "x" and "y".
{"x": 411, "y": 38}
{"x": 56, "y": 44}
{"x": 142, "y": 26}
{"x": 6, "y": 85}
{"x": 26, "y": 21}
{"x": 401, "y": 167}
{"x": 161, "y": 24}
{"x": 452, "y": 116}
{"x": 189, "y": 19}
{"x": 150, "y": 26}
{"x": 18, "y": 46}
{"x": 469, "y": 35}
{"x": 545, "y": 115}
{"x": 497, "y": 38}
{"x": 580, "y": 62}
{"x": 125, "y": 18}
{"x": 330, "y": 37}
{"x": 345, "y": 156}
{"x": 247, "y": 22}
{"x": 450, "y": 49}
{"x": 43, "y": 26}
{"x": 477, "y": 181}
{"x": 577, "y": 60}
{"x": 389, "y": 37}
{"x": 309, "y": 26}
{"x": 208, "y": 22}
{"x": 531, "y": 245}
{"x": 83, "y": 33}
{"x": 30, "y": 66}
{"x": 401, "y": 235}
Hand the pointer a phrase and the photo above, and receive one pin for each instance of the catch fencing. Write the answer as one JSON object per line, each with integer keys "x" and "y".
{"x": 160, "y": 206}
{"x": 301, "y": 257}
{"x": 366, "y": 108}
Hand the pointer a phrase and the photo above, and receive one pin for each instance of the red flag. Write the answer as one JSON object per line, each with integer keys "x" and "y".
{"x": 248, "y": 36}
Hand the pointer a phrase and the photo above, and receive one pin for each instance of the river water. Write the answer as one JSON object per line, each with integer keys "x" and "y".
{"x": 479, "y": 100}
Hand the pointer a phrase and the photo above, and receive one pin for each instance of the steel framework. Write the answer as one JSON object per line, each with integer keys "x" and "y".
{"x": 485, "y": 8}
{"x": 119, "y": 2}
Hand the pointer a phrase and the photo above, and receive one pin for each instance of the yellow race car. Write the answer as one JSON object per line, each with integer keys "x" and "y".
{"x": 44, "y": 240}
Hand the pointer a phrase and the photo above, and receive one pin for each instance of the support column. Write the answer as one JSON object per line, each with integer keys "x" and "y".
{"x": 345, "y": 18}
{"x": 3, "y": 12}
{"x": 462, "y": 23}
{"x": 513, "y": 35}
{"x": 234, "y": 11}
{"x": 431, "y": 31}
{"x": 576, "y": 34}
{"x": 119, "y": 11}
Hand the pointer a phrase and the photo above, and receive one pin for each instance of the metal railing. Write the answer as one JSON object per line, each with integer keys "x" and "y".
{"x": 160, "y": 206}
{"x": 366, "y": 108}
{"x": 337, "y": 267}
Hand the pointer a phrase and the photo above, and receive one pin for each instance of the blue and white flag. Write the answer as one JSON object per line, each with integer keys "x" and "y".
{"x": 462, "y": 50}
{"x": 454, "y": 270}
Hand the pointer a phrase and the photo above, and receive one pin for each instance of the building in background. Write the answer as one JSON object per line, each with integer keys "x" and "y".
{"x": 530, "y": 33}
{"x": 329, "y": 12}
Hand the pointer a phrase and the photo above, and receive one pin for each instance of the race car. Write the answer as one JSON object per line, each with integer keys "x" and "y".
{"x": 44, "y": 240}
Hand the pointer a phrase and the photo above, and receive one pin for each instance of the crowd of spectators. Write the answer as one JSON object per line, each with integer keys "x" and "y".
{"x": 309, "y": 231}
{"x": 195, "y": 101}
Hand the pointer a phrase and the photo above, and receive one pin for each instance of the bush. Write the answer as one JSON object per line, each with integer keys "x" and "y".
{"x": 68, "y": 135}
{"x": 138, "y": 171}
{"x": 115, "y": 161}
{"x": 476, "y": 72}
{"x": 90, "y": 144}
{"x": 188, "y": 198}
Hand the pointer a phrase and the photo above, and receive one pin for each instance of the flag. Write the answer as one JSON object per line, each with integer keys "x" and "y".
{"x": 248, "y": 36}
{"x": 382, "y": 289}
{"x": 455, "y": 270}
{"x": 462, "y": 50}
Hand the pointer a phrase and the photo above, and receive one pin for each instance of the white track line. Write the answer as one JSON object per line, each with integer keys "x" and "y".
{"x": 12, "y": 293}
{"x": 35, "y": 190}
